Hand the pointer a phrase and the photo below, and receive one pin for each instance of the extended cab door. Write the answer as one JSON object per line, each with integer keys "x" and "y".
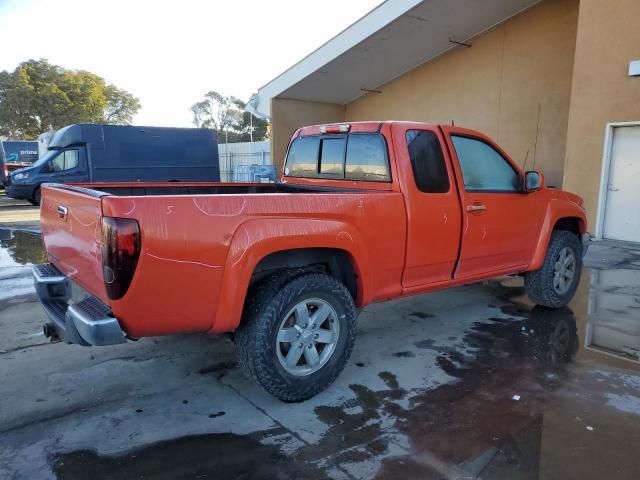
{"x": 432, "y": 204}
{"x": 500, "y": 221}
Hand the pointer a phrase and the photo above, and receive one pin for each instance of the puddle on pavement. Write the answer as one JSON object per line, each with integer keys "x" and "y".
{"x": 534, "y": 388}
{"x": 19, "y": 248}
{"x": 223, "y": 455}
{"x": 533, "y": 392}
{"x": 613, "y": 314}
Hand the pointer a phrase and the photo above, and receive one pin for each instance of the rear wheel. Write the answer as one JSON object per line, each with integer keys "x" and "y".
{"x": 556, "y": 282}
{"x": 297, "y": 335}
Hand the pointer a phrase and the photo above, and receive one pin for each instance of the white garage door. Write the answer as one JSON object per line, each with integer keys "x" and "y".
{"x": 622, "y": 212}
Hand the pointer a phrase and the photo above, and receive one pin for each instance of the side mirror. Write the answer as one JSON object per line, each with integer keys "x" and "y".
{"x": 47, "y": 168}
{"x": 533, "y": 181}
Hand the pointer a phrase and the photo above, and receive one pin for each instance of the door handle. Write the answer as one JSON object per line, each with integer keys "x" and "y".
{"x": 62, "y": 212}
{"x": 476, "y": 207}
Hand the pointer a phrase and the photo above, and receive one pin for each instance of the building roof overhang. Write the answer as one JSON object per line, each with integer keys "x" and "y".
{"x": 392, "y": 39}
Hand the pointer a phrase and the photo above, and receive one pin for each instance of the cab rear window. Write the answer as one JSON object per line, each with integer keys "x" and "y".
{"x": 302, "y": 160}
{"x": 356, "y": 156}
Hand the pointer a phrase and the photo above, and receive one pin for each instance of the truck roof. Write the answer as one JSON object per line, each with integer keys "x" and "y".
{"x": 360, "y": 127}
{"x": 95, "y": 133}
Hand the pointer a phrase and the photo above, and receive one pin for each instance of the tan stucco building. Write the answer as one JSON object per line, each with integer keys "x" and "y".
{"x": 554, "y": 82}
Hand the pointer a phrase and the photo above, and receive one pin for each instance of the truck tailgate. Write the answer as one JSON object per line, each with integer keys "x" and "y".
{"x": 71, "y": 229}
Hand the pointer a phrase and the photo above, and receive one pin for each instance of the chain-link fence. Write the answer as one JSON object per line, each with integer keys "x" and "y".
{"x": 246, "y": 162}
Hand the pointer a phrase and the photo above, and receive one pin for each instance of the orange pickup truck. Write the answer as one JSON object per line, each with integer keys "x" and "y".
{"x": 364, "y": 212}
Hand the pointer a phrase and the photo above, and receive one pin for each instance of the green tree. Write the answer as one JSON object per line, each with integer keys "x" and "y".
{"x": 247, "y": 122}
{"x": 121, "y": 106}
{"x": 227, "y": 115}
{"x": 38, "y": 96}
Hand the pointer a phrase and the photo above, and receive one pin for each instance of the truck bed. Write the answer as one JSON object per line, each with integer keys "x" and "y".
{"x": 194, "y": 235}
{"x": 168, "y": 188}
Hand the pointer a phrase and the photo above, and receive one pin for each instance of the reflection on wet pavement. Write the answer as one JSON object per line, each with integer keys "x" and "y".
{"x": 613, "y": 326}
{"x": 223, "y": 456}
{"x": 20, "y": 248}
{"x": 471, "y": 383}
{"x": 18, "y": 251}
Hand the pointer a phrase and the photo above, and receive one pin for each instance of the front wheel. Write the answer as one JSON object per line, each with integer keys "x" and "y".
{"x": 297, "y": 335}
{"x": 37, "y": 197}
{"x": 555, "y": 283}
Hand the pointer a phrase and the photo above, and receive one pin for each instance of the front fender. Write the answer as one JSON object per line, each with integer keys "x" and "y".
{"x": 556, "y": 209}
{"x": 255, "y": 239}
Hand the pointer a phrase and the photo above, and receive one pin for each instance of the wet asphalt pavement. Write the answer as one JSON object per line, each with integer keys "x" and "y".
{"x": 473, "y": 382}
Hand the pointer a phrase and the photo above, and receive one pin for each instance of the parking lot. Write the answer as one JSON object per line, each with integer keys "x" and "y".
{"x": 472, "y": 382}
{"x": 18, "y": 214}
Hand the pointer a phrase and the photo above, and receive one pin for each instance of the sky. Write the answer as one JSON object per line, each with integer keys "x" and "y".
{"x": 169, "y": 54}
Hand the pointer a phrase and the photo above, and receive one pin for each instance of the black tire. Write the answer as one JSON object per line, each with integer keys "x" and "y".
{"x": 539, "y": 285}
{"x": 265, "y": 310}
{"x": 36, "y": 197}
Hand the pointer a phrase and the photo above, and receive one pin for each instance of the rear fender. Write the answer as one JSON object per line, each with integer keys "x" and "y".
{"x": 556, "y": 210}
{"x": 255, "y": 239}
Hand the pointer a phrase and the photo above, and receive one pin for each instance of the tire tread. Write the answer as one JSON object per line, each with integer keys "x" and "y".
{"x": 539, "y": 284}
{"x": 262, "y": 314}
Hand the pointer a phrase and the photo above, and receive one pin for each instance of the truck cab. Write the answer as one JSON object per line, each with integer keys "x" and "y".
{"x": 57, "y": 166}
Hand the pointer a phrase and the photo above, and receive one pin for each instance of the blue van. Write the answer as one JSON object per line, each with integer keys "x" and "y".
{"x": 88, "y": 153}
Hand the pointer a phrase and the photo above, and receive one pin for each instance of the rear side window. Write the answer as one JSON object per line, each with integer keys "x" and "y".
{"x": 367, "y": 158}
{"x": 483, "y": 168}
{"x": 427, "y": 161}
{"x": 358, "y": 156}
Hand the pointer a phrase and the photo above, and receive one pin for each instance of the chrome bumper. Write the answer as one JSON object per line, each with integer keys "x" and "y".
{"x": 88, "y": 322}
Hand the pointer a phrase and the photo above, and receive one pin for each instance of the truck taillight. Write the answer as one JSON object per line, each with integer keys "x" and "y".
{"x": 120, "y": 252}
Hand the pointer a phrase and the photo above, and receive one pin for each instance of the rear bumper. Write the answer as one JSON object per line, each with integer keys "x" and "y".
{"x": 88, "y": 322}
{"x": 21, "y": 192}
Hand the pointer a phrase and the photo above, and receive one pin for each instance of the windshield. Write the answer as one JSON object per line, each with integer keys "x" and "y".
{"x": 46, "y": 157}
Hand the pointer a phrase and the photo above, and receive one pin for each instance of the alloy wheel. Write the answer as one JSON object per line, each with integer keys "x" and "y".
{"x": 307, "y": 337}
